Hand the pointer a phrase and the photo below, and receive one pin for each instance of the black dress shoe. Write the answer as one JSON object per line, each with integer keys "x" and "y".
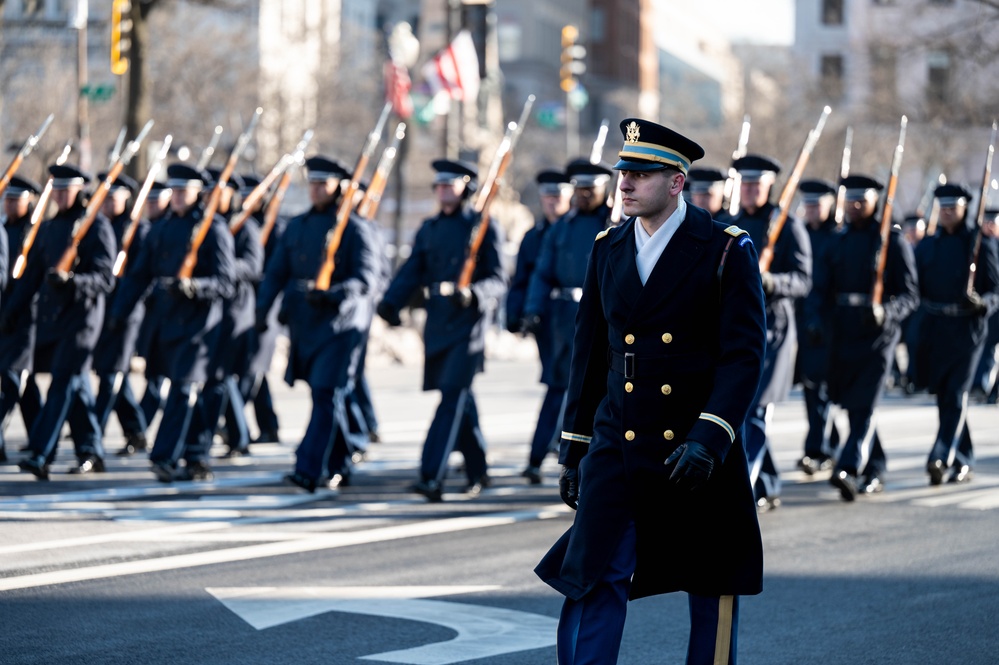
{"x": 89, "y": 464}
{"x": 3, "y": 456}
{"x": 267, "y": 436}
{"x": 358, "y": 456}
{"x": 812, "y": 465}
{"x": 937, "y": 469}
{"x": 338, "y": 481}
{"x": 961, "y": 473}
{"x": 871, "y": 485}
{"x": 374, "y": 437}
{"x": 475, "y": 487}
{"x": 430, "y": 489}
{"x": 195, "y": 471}
{"x": 35, "y": 466}
{"x": 846, "y": 483}
{"x": 301, "y": 481}
{"x": 765, "y": 504}
{"x": 234, "y": 452}
{"x": 533, "y": 474}
{"x": 163, "y": 472}
{"x": 134, "y": 443}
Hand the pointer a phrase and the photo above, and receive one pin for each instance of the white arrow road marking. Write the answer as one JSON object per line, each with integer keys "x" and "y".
{"x": 483, "y": 631}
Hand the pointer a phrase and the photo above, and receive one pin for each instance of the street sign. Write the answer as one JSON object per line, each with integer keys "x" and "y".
{"x": 100, "y": 92}
{"x": 550, "y": 115}
{"x": 578, "y": 97}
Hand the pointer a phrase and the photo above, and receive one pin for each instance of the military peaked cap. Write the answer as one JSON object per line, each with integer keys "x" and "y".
{"x": 121, "y": 182}
{"x": 184, "y": 176}
{"x": 551, "y": 182}
{"x": 814, "y": 189}
{"x": 66, "y": 175}
{"x": 449, "y": 170}
{"x": 703, "y": 179}
{"x": 857, "y": 186}
{"x": 583, "y": 173}
{"x": 18, "y": 187}
{"x": 652, "y": 147}
{"x": 323, "y": 168}
{"x": 753, "y": 168}
{"x": 950, "y": 195}
{"x": 234, "y": 182}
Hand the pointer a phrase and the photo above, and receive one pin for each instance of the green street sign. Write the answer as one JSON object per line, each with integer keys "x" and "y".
{"x": 99, "y": 92}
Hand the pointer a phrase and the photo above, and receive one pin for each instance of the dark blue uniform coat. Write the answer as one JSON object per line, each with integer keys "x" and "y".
{"x": 813, "y": 349}
{"x": 236, "y": 347}
{"x": 17, "y": 348}
{"x": 561, "y": 269}
{"x": 69, "y": 317}
{"x": 698, "y": 348}
{"x": 326, "y": 342}
{"x": 516, "y": 297}
{"x": 265, "y": 343}
{"x": 115, "y": 349}
{"x": 183, "y": 333}
{"x": 454, "y": 336}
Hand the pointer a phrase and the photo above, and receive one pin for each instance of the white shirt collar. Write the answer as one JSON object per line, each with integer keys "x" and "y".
{"x": 650, "y": 248}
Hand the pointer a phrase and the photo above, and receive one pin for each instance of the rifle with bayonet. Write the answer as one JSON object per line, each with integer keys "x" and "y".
{"x": 369, "y": 204}
{"x": 790, "y": 187}
{"x": 258, "y": 192}
{"x": 844, "y": 171}
{"x": 597, "y": 151}
{"x": 65, "y": 264}
{"x": 980, "y": 213}
{"x": 501, "y": 160}
{"x": 25, "y": 150}
{"x": 209, "y": 151}
{"x": 325, "y": 274}
{"x": 118, "y": 145}
{"x": 140, "y": 201}
{"x": 877, "y": 292}
{"x": 201, "y": 231}
{"x": 37, "y": 217}
{"x": 732, "y": 190}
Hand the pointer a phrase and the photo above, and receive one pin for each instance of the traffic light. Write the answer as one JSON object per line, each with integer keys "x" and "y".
{"x": 121, "y": 35}
{"x": 572, "y": 58}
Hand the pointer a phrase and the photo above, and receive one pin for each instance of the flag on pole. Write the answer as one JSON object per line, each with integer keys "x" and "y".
{"x": 397, "y": 87}
{"x": 455, "y": 70}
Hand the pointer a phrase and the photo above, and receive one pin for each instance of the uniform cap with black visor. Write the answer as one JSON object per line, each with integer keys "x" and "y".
{"x": 552, "y": 183}
{"x": 652, "y": 147}
{"x": 447, "y": 171}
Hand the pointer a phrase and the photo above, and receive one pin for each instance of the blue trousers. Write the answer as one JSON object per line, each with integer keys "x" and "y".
{"x": 223, "y": 398}
{"x": 21, "y": 390}
{"x": 185, "y": 430}
{"x": 590, "y": 629}
{"x": 823, "y": 437}
{"x": 153, "y": 399}
{"x": 862, "y": 452}
{"x": 70, "y": 398}
{"x": 114, "y": 392}
{"x": 324, "y": 445}
{"x": 455, "y": 426}
{"x": 953, "y": 442}
{"x": 549, "y": 424}
{"x": 762, "y": 466}
{"x": 257, "y": 391}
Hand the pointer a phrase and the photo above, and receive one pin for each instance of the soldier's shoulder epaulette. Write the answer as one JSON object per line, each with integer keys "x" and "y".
{"x": 735, "y": 231}
{"x": 602, "y": 234}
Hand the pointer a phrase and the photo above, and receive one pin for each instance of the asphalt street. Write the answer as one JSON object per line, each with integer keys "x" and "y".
{"x": 118, "y": 568}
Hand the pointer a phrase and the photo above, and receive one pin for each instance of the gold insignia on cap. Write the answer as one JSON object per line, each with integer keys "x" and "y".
{"x": 633, "y": 131}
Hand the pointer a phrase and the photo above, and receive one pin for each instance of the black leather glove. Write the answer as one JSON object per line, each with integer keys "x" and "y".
{"x": 329, "y": 300}
{"x": 463, "y": 298}
{"x": 114, "y": 324}
{"x": 389, "y": 313}
{"x": 767, "y": 280}
{"x": 513, "y": 325}
{"x": 529, "y": 325}
{"x": 974, "y": 302}
{"x": 260, "y": 320}
{"x": 58, "y": 279}
{"x": 568, "y": 486}
{"x": 184, "y": 288}
{"x": 692, "y": 464}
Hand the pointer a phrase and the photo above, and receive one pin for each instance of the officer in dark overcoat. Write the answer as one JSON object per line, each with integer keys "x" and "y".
{"x": 17, "y": 383}
{"x": 863, "y": 333}
{"x": 984, "y": 384}
{"x": 706, "y": 186}
{"x": 555, "y": 194}
{"x": 788, "y": 278}
{"x": 819, "y": 199}
{"x": 457, "y": 319}
{"x": 666, "y": 363}
{"x": 327, "y": 327}
{"x": 70, "y": 315}
{"x": 113, "y": 355}
{"x": 557, "y": 285}
{"x": 184, "y": 315}
{"x": 956, "y": 304}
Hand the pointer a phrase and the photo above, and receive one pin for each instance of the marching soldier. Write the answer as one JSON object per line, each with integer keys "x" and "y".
{"x": 457, "y": 320}
{"x": 953, "y": 327}
{"x": 707, "y": 191}
{"x": 863, "y": 334}
{"x": 17, "y": 383}
{"x": 555, "y": 289}
{"x": 327, "y": 328}
{"x": 70, "y": 314}
{"x": 789, "y": 278}
{"x": 184, "y": 317}
{"x": 665, "y": 366}
{"x": 985, "y": 384}
{"x": 555, "y": 193}
{"x": 819, "y": 199}
{"x": 113, "y": 355}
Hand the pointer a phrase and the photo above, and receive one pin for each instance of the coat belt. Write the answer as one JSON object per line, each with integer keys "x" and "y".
{"x": 632, "y": 366}
{"x": 443, "y": 289}
{"x": 571, "y": 295}
{"x": 854, "y": 299}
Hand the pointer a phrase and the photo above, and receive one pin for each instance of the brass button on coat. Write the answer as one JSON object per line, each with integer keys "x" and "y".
{"x": 629, "y": 339}
{"x": 667, "y": 338}
{"x": 628, "y": 387}
{"x": 629, "y": 435}
{"x": 668, "y": 435}
{"x": 667, "y": 389}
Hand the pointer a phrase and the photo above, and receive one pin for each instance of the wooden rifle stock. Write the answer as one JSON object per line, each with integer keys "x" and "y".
{"x": 37, "y": 217}
{"x": 980, "y": 213}
{"x": 325, "y": 274}
{"x": 501, "y": 160}
{"x": 877, "y": 292}
{"x": 790, "y": 187}
{"x": 369, "y": 204}
{"x": 273, "y": 207}
{"x": 65, "y": 263}
{"x": 140, "y": 202}
{"x": 258, "y": 192}
{"x": 25, "y": 150}
{"x": 201, "y": 231}
{"x": 844, "y": 171}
